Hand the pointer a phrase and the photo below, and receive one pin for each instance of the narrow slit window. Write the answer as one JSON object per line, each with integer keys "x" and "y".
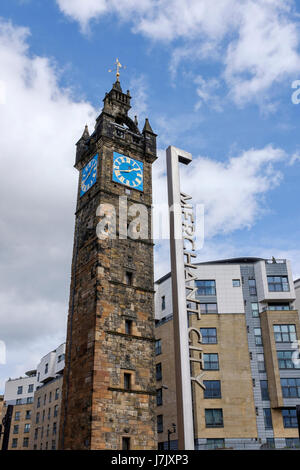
{"x": 127, "y": 381}
{"x": 125, "y": 443}
{"x": 128, "y": 278}
{"x": 128, "y": 327}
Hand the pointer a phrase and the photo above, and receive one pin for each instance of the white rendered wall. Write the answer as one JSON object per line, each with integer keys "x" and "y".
{"x": 297, "y": 292}
{"x": 229, "y": 298}
{"x": 11, "y": 389}
{"x": 59, "y": 366}
{"x": 163, "y": 289}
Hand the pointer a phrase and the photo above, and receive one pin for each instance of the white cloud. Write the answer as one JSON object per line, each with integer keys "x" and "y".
{"x": 255, "y": 41}
{"x": 231, "y": 191}
{"x": 39, "y": 126}
{"x": 207, "y": 93}
{"x": 265, "y": 51}
{"x": 138, "y": 90}
{"x": 294, "y": 158}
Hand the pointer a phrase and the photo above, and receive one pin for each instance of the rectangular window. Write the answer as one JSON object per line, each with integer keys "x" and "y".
{"x": 28, "y": 414}
{"x": 37, "y": 417}
{"x": 20, "y": 390}
{"x": 209, "y": 335}
{"x": 160, "y": 425}
{"x": 255, "y": 309}
{"x": 14, "y": 443}
{"x": 290, "y": 388}
{"x": 236, "y": 283}
{"x": 61, "y": 358}
{"x": 268, "y": 418}
{"x": 280, "y": 307}
{"x": 257, "y": 336}
{"x": 264, "y": 390}
{"x": 209, "y": 308}
{"x": 50, "y": 397}
{"x": 53, "y": 446}
{"x": 36, "y": 431}
{"x": 38, "y": 402}
{"x": 159, "y": 399}
{"x": 261, "y": 362}
{"x": 18, "y": 401}
{"x": 157, "y": 347}
{"x": 43, "y": 416}
{"x": 127, "y": 381}
{"x": 163, "y": 302}
{"x": 212, "y": 389}
{"x": 30, "y": 388}
{"x": 270, "y": 443}
{"x": 211, "y": 361}
{"x": 17, "y": 416}
{"x": 214, "y": 418}
{"x": 46, "y": 368}
{"x": 26, "y": 442}
{"x": 55, "y": 413}
{"x": 128, "y": 278}
{"x": 54, "y": 429}
{"x": 278, "y": 284}
{"x": 285, "y": 360}
{"x": 285, "y": 333}
{"x": 128, "y": 327}
{"x": 57, "y": 394}
{"x": 27, "y": 428}
{"x": 212, "y": 444}
{"x": 206, "y": 287}
{"x": 292, "y": 442}
{"x": 125, "y": 443}
{"x": 289, "y": 416}
{"x": 158, "y": 372}
{"x": 16, "y": 429}
{"x": 29, "y": 400}
{"x": 252, "y": 287}
{"x": 49, "y": 413}
{"x": 45, "y": 399}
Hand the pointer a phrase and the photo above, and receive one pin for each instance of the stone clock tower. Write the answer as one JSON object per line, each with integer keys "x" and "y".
{"x": 109, "y": 381}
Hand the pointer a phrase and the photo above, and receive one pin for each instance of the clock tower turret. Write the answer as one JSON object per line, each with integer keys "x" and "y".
{"x": 109, "y": 380}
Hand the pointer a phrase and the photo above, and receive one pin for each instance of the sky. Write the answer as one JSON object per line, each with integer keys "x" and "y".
{"x": 218, "y": 79}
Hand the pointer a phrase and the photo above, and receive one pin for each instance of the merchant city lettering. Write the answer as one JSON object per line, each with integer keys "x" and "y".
{"x": 192, "y": 304}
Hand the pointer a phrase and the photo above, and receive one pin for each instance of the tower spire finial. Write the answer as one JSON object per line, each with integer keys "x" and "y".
{"x": 118, "y": 67}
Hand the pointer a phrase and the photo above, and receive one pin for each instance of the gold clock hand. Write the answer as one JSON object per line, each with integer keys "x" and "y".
{"x": 93, "y": 166}
{"x": 129, "y": 171}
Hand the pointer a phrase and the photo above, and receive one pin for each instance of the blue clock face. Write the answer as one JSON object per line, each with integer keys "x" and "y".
{"x": 128, "y": 171}
{"x": 89, "y": 175}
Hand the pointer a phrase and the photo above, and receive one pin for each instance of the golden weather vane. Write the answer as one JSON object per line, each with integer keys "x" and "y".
{"x": 118, "y": 67}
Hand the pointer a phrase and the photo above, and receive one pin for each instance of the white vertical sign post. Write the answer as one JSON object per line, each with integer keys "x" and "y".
{"x": 185, "y": 427}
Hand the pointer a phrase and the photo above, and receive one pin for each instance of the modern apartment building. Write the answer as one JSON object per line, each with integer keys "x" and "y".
{"x": 47, "y": 401}
{"x": 31, "y": 406}
{"x": 297, "y": 291}
{"x": 46, "y": 415}
{"x": 249, "y": 329}
{"x": 17, "y": 408}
